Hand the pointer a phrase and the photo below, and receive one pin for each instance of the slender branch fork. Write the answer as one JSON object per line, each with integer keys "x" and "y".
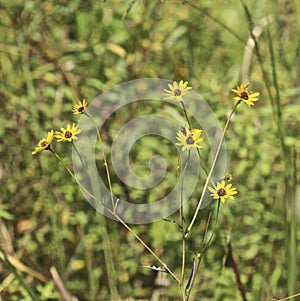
{"x": 113, "y": 212}
{"x": 211, "y": 171}
{"x": 185, "y": 295}
{"x": 185, "y": 231}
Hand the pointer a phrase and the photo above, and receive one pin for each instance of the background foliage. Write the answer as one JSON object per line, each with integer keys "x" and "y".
{"x": 55, "y": 52}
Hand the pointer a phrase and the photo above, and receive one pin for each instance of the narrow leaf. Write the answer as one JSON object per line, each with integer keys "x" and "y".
{"x": 192, "y": 276}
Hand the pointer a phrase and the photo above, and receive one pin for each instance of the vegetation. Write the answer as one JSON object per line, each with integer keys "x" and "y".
{"x": 54, "y": 245}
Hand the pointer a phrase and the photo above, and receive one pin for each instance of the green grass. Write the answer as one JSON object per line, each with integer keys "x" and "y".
{"x": 53, "y": 53}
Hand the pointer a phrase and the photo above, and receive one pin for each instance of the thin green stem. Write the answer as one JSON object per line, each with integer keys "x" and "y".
{"x": 109, "y": 257}
{"x": 204, "y": 245}
{"x": 200, "y": 254}
{"x": 185, "y": 114}
{"x": 146, "y": 247}
{"x": 201, "y": 162}
{"x": 288, "y": 200}
{"x": 203, "y": 11}
{"x": 104, "y": 159}
{"x": 287, "y": 298}
{"x": 181, "y": 220}
{"x": 260, "y": 59}
{"x": 113, "y": 212}
{"x": 77, "y": 153}
{"x": 58, "y": 157}
{"x": 215, "y": 226}
{"x": 190, "y": 127}
{"x": 211, "y": 169}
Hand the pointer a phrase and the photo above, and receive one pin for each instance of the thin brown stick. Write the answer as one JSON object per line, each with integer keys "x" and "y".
{"x": 60, "y": 285}
{"x": 23, "y": 268}
{"x": 236, "y": 271}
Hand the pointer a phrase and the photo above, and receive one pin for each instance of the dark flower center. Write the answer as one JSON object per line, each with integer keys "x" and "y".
{"x": 177, "y": 92}
{"x": 81, "y": 109}
{"x": 221, "y": 192}
{"x": 244, "y": 95}
{"x": 183, "y": 131}
{"x": 44, "y": 143}
{"x": 189, "y": 140}
{"x": 68, "y": 134}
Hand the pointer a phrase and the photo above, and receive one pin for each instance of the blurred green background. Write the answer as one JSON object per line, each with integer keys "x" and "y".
{"x": 56, "y": 52}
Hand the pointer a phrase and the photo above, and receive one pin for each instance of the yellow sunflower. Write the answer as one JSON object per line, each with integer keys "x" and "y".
{"x": 177, "y": 91}
{"x": 221, "y": 191}
{"x": 244, "y": 95}
{"x": 68, "y": 134}
{"x": 189, "y": 138}
{"x": 80, "y": 108}
{"x": 44, "y": 143}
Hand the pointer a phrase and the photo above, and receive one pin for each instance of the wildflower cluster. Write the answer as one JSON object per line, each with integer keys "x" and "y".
{"x": 189, "y": 138}
{"x": 66, "y": 134}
